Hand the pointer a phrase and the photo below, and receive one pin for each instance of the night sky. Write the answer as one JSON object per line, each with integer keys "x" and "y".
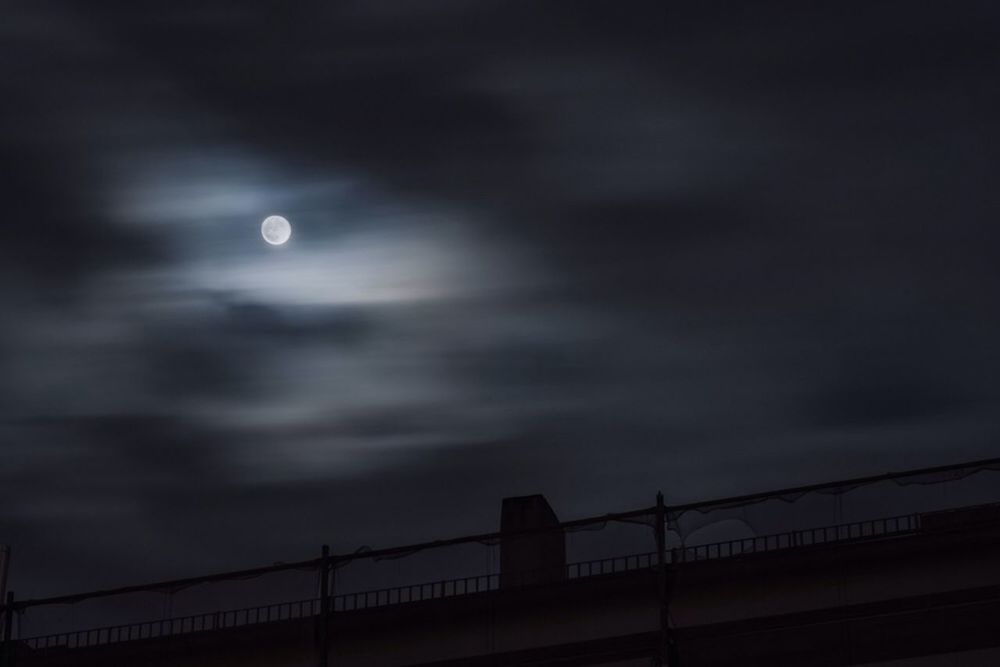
{"x": 590, "y": 250}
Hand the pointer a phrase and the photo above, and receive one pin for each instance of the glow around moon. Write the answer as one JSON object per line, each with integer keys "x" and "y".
{"x": 276, "y": 230}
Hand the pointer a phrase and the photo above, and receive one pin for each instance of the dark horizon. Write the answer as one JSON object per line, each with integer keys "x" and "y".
{"x": 591, "y": 254}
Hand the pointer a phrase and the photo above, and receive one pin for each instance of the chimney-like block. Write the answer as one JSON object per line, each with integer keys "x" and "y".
{"x": 535, "y": 558}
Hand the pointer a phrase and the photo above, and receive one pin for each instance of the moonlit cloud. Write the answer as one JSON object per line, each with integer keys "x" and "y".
{"x": 376, "y": 268}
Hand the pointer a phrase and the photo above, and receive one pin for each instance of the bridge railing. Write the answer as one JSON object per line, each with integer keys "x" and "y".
{"x": 446, "y": 588}
{"x": 181, "y": 625}
{"x": 887, "y": 527}
{"x": 321, "y": 586}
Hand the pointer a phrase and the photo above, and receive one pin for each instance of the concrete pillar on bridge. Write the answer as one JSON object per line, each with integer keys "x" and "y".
{"x": 534, "y": 558}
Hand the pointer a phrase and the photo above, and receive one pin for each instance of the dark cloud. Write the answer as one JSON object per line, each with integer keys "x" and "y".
{"x": 60, "y": 239}
{"x": 706, "y": 248}
{"x": 290, "y": 325}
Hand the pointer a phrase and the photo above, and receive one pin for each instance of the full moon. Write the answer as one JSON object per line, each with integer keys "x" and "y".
{"x": 275, "y": 230}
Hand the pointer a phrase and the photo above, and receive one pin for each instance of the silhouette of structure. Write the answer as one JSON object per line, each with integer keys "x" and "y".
{"x": 532, "y": 544}
{"x": 915, "y": 588}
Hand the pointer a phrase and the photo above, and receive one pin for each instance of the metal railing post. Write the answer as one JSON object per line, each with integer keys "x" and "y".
{"x": 668, "y": 647}
{"x": 7, "y": 649}
{"x": 661, "y": 574}
{"x": 324, "y": 607}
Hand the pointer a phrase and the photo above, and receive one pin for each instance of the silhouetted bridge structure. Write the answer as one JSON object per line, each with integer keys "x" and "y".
{"x": 915, "y": 588}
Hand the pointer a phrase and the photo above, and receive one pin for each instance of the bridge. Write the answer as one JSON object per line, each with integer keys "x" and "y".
{"x": 919, "y": 588}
